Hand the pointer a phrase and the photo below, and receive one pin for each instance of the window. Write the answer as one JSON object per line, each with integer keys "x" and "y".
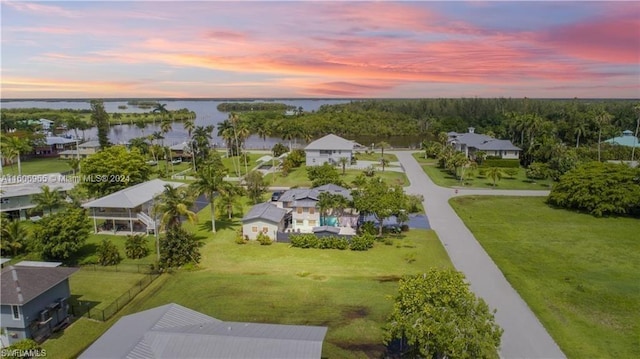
{"x": 312, "y": 223}
{"x": 299, "y": 222}
{"x": 254, "y": 229}
{"x": 312, "y": 210}
{"x": 265, "y": 229}
{"x": 299, "y": 210}
{"x": 16, "y": 312}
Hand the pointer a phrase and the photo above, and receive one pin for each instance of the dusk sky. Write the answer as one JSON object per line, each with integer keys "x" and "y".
{"x": 87, "y": 49}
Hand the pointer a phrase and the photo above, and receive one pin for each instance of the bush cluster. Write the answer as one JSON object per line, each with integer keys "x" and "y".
{"x": 308, "y": 240}
{"x": 499, "y": 162}
{"x": 264, "y": 239}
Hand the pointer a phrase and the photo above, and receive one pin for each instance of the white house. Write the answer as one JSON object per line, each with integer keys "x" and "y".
{"x": 472, "y": 142}
{"x": 329, "y": 148}
{"x": 264, "y": 218}
{"x": 16, "y": 198}
{"x": 128, "y": 209}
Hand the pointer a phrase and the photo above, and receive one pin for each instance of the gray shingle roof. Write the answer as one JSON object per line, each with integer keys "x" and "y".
{"x": 497, "y": 145}
{"x": 173, "y": 331}
{"x": 331, "y": 142}
{"x": 133, "y": 196}
{"x": 33, "y": 281}
{"x": 29, "y": 188}
{"x": 266, "y": 211}
{"x": 55, "y": 140}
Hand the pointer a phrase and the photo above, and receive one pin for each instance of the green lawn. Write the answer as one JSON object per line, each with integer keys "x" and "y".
{"x": 345, "y": 290}
{"x": 375, "y": 156}
{"x": 443, "y": 178}
{"x": 100, "y": 287}
{"x": 579, "y": 274}
{"x": 298, "y": 177}
{"x": 38, "y": 166}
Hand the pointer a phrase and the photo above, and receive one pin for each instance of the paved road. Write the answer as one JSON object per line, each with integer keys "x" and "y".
{"x": 524, "y": 336}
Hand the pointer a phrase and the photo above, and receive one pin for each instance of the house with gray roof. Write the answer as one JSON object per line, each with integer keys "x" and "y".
{"x": 33, "y": 300}
{"x": 16, "y": 198}
{"x": 173, "y": 331}
{"x": 82, "y": 150}
{"x": 329, "y": 148}
{"x": 128, "y": 210}
{"x": 471, "y": 142}
{"x": 53, "y": 145}
{"x": 265, "y": 218}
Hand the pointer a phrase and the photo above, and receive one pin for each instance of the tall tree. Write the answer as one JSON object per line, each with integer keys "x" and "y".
{"x": 343, "y": 161}
{"x": 113, "y": 169}
{"x": 60, "y": 235}
{"x": 602, "y": 119}
{"x": 100, "y": 118}
{"x": 636, "y": 108}
{"x": 209, "y": 180}
{"x": 439, "y": 317}
{"x": 14, "y": 146}
{"x": 377, "y": 198}
{"x": 495, "y": 174}
{"x": 228, "y": 194}
{"x": 189, "y": 126}
{"x": 172, "y": 205}
{"x": 48, "y": 199}
{"x": 256, "y": 186}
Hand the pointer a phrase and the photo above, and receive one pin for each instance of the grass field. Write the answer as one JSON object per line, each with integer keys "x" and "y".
{"x": 38, "y": 166}
{"x": 445, "y": 179}
{"x": 99, "y": 287}
{"x": 579, "y": 274}
{"x": 298, "y": 177}
{"x": 362, "y": 156}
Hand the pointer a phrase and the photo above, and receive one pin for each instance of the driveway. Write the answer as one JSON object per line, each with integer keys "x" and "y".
{"x": 524, "y": 336}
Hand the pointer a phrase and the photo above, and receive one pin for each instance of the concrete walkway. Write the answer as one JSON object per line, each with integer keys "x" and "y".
{"x": 524, "y": 336}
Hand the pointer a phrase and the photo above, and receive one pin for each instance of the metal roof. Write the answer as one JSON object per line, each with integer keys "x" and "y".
{"x": 331, "y": 142}
{"x": 90, "y": 144}
{"x": 266, "y": 211}
{"x": 32, "y": 281}
{"x": 133, "y": 196}
{"x": 38, "y": 264}
{"x": 54, "y": 140}
{"x": 173, "y": 331}
{"x": 53, "y": 180}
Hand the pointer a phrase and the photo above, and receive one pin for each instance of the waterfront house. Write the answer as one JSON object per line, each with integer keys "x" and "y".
{"x": 16, "y": 197}
{"x": 329, "y": 148}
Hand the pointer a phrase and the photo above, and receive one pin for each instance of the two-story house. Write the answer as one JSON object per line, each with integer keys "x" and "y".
{"x": 33, "y": 300}
{"x": 16, "y": 198}
{"x": 329, "y": 148}
{"x": 128, "y": 210}
{"x": 82, "y": 150}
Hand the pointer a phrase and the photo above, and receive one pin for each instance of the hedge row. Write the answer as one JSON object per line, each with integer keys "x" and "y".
{"x": 499, "y": 162}
{"x": 308, "y": 240}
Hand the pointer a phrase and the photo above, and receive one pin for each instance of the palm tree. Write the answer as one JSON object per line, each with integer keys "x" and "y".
{"x": 201, "y": 137}
{"x": 343, "y": 161}
{"x": 48, "y": 199}
{"x": 209, "y": 179}
{"x": 74, "y": 163}
{"x": 189, "y": 126}
{"x": 495, "y": 174}
{"x": 602, "y": 119}
{"x": 173, "y": 204}
{"x": 633, "y": 149}
{"x": 228, "y": 193}
{"x": 579, "y": 130}
{"x": 141, "y": 125}
{"x": 382, "y": 145}
{"x": 14, "y": 236}
{"x": 15, "y": 146}
{"x": 165, "y": 126}
{"x": 160, "y": 108}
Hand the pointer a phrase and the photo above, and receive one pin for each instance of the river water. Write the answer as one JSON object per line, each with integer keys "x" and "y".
{"x": 206, "y": 114}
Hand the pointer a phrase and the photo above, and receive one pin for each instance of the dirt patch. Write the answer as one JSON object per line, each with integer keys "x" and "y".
{"x": 368, "y": 349}
{"x": 355, "y": 312}
{"x": 255, "y": 273}
{"x": 388, "y": 278}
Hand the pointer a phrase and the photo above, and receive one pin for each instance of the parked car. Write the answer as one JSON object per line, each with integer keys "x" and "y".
{"x": 276, "y": 195}
{"x": 175, "y": 161}
{"x": 152, "y": 163}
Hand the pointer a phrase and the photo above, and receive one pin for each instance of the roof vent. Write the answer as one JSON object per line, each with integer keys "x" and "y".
{"x": 471, "y": 129}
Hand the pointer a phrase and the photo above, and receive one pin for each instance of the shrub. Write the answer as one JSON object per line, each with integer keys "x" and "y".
{"x": 306, "y": 240}
{"x": 511, "y": 172}
{"x": 90, "y": 260}
{"x": 370, "y": 171}
{"x": 264, "y": 239}
{"x": 388, "y": 242}
{"x": 538, "y": 171}
{"x": 503, "y": 163}
{"x": 278, "y": 149}
{"x": 362, "y": 242}
{"x": 136, "y": 246}
{"x": 368, "y": 228}
{"x": 600, "y": 189}
{"x": 108, "y": 253}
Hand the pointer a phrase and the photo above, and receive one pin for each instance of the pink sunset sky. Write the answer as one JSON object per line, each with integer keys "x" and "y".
{"x": 207, "y": 49}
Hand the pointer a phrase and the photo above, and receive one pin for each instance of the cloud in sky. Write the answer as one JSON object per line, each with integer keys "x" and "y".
{"x": 320, "y": 49}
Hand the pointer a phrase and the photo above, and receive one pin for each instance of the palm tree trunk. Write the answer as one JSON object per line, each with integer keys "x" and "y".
{"x": 578, "y": 140}
{"x": 599, "y": 134}
{"x": 633, "y": 150}
{"x": 19, "y": 165}
{"x": 213, "y": 214}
